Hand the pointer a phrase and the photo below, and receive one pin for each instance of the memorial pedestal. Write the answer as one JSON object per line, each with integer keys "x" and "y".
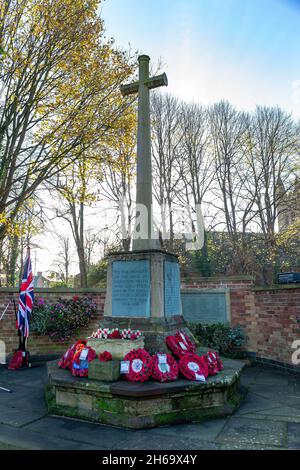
{"x": 118, "y": 348}
{"x": 143, "y": 292}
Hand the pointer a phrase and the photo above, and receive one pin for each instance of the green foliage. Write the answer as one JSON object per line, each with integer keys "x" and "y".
{"x": 227, "y": 340}
{"x": 62, "y": 319}
{"x": 202, "y": 259}
{"x": 97, "y": 274}
{"x": 59, "y": 284}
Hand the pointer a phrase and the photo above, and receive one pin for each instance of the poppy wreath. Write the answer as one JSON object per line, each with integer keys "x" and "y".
{"x": 16, "y": 361}
{"x": 192, "y": 366}
{"x": 186, "y": 340}
{"x": 66, "y": 361}
{"x": 80, "y": 366}
{"x": 115, "y": 335}
{"x": 140, "y": 364}
{"x": 164, "y": 372}
{"x": 211, "y": 364}
{"x": 180, "y": 344}
{"x": 105, "y": 356}
{"x": 215, "y": 358}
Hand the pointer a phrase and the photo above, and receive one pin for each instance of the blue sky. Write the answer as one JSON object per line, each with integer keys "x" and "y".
{"x": 245, "y": 51}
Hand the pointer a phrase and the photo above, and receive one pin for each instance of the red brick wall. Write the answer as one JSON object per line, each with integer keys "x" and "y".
{"x": 242, "y": 305}
{"x": 43, "y": 345}
{"x": 270, "y": 317}
{"x": 278, "y": 322}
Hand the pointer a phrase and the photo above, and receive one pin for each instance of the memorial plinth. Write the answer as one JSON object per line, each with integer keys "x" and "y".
{"x": 118, "y": 348}
{"x": 144, "y": 405}
{"x": 143, "y": 292}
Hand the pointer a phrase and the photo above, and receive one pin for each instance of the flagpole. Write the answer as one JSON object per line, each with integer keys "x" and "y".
{"x": 21, "y": 332}
{"x": 24, "y": 338}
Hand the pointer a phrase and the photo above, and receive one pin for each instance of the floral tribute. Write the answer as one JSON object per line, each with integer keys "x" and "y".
{"x": 66, "y": 361}
{"x": 213, "y": 362}
{"x": 16, "y": 361}
{"x": 140, "y": 365}
{"x": 105, "y": 356}
{"x": 193, "y": 367}
{"x": 80, "y": 364}
{"x": 115, "y": 333}
{"x": 164, "y": 367}
{"x": 180, "y": 344}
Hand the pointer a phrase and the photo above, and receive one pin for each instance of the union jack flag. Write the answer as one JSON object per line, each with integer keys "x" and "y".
{"x": 26, "y": 297}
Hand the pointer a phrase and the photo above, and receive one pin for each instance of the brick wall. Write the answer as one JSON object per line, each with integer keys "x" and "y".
{"x": 270, "y": 317}
{"x": 242, "y": 304}
{"x": 43, "y": 345}
{"x": 278, "y": 322}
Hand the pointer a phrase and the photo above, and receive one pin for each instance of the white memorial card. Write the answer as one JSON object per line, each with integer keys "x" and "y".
{"x": 83, "y": 354}
{"x": 200, "y": 377}
{"x": 162, "y": 358}
{"x": 124, "y": 367}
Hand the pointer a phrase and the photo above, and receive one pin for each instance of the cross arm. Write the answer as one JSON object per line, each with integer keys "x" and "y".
{"x": 152, "y": 82}
{"x": 155, "y": 82}
{"x": 129, "y": 89}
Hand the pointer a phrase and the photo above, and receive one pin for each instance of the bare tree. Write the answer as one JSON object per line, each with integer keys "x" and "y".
{"x": 116, "y": 182}
{"x": 195, "y": 165}
{"x": 272, "y": 144}
{"x": 166, "y": 148}
{"x": 64, "y": 256}
{"x": 228, "y": 133}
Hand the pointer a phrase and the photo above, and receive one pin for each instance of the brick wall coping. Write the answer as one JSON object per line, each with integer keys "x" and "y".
{"x": 245, "y": 277}
{"x": 275, "y": 287}
{"x": 58, "y": 290}
{"x": 94, "y": 290}
{"x": 206, "y": 290}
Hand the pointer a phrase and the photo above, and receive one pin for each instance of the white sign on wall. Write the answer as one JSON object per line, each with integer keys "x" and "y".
{"x": 2, "y": 352}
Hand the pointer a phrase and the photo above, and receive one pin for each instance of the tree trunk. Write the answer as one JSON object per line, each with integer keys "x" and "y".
{"x": 81, "y": 251}
{"x": 14, "y": 251}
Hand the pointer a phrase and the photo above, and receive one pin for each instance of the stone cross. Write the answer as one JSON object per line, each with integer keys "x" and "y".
{"x": 144, "y": 164}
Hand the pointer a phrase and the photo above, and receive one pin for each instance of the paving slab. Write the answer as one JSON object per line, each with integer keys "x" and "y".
{"x": 293, "y": 436}
{"x": 254, "y": 403}
{"x": 17, "y": 418}
{"x": 144, "y": 442}
{"x": 9, "y": 447}
{"x": 37, "y": 441}
{"x": 206, "y": 431}
{"x": 247, "y": 431}
{"x": 243, "y": 446}
{"x": 269, "y": 418}
{"x": 100, "y": 437}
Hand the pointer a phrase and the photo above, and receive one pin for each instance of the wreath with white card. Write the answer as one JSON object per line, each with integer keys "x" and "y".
{"x": 180, "y": 344}
{"x": 139, "y": 365}
{"x": 213, "y": 362}
{"x": 193, "y": 367}
{"x": 164, "y": 367}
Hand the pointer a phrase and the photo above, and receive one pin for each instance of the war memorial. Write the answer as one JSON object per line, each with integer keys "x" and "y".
{"x": 143, "y": 310}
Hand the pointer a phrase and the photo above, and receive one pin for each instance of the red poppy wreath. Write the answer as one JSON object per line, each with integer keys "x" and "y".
{"x": 105, "y": 356}
{"x": 140, "y": 365}
{"x": 193, "y": 367}
{"x": 164, "y": 367}
{"x": 82, "y": 357}
{"x": 213, "y": 362}
{"x": 180, "y": 344}
{"x": 66, "y": 361}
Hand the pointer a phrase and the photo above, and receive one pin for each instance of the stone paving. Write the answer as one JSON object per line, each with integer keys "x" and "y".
{"x": 269, "y": 418}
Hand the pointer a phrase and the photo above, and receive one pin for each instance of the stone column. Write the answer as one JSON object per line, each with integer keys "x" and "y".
{"x": 144, "y": 164}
